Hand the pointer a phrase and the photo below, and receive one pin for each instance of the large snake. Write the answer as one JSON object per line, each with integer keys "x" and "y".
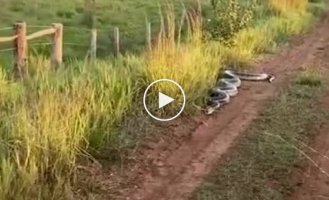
{"x": 227, "y": 87}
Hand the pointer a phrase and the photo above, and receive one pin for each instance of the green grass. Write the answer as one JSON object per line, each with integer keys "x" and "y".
{"x": 263, "y": 162}
{"x": 51, "y": 118}
{"x": 128, "y": 15}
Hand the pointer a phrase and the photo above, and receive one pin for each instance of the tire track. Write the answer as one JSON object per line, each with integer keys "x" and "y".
{"x": 183, "y": 170}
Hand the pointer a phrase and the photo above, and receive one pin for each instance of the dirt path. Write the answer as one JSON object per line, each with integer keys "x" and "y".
{"x": 312, "y": 184}
{"x": 175, "y": 174}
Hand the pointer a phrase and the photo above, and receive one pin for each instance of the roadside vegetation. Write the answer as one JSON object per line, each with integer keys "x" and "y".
{"x": 263, "y": 164}
{"x": 51, "y": 119}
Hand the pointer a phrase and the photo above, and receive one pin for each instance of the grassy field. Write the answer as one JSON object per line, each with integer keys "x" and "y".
{"x": 51, "y": 119}
{"x": 129, "y": 15}
{"x": 262, "y": 166}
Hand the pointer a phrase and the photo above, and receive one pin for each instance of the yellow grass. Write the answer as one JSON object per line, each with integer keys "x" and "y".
{"x": 194, "y": 64}
{"x": 285, "y": 6}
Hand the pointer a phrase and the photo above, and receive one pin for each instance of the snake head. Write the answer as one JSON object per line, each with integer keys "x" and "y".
{"x": 270, "y": 78}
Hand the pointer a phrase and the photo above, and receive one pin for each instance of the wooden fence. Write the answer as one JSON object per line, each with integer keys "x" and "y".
{"x": 20, "y": 45}
{"x": 20, "y": 41}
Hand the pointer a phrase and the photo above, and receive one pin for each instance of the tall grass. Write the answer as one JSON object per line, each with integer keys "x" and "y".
{"x": 194, "y": 64}
{"x": 286, "y": 6}
{"x": 250, "y": 42}
{"x": 51, "y": 118}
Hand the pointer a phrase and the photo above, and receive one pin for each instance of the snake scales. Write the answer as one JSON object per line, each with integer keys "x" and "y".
{"x": 227, "y": 87}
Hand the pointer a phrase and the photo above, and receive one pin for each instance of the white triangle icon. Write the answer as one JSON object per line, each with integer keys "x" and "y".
{"x": 164, "y": 100}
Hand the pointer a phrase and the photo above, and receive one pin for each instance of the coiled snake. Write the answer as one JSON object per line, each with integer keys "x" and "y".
{"x": 227, "y": 87}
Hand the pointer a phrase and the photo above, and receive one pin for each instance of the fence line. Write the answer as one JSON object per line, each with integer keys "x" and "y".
{"x": 6, "y": 28}
{"x": 8, "y": 39}
{"x": 40, "y": 33}
{"x": 93, "y": 44}
{"x": 116, "y": 38}
{"x": 47, "y": 44}
{"x": 6, "y": 50}
{"x": 20, "y": 40}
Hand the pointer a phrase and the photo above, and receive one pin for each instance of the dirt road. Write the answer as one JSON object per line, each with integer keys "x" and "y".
{"x": 176, "y": 173}
{"x": 312, "y": 182}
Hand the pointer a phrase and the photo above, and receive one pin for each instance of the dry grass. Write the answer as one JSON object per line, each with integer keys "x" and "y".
{"x": 286, "y": 6}
{"x": 51, "y": 118}
{"x": 194, "y": 64}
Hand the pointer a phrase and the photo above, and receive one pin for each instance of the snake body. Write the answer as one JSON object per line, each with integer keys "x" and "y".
{"x": 227, "y": 87}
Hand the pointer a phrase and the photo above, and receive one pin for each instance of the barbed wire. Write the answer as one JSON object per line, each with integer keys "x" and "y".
{"x": 6, "y": 50}
{"x": 75, "y": 44}
{"x": 38, "y": 26}
{"x": 6, "y": 28}
{"x": 47, "y": 44}
{"x": 108, "y": 29}
{"x": 65, "y": 27}
{"x": 76, "y": 28}
{"x": 40, "y": 44}
{"x": 64, "y": 43}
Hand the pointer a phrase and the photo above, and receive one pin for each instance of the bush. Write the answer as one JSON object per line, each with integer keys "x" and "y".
{"x": 230, "y": 16}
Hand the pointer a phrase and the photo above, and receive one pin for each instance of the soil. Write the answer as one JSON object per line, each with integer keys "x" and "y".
{"x": 313, "y": 181}
{"x": 173, "y": 167}
{"x": 175, "y": 174}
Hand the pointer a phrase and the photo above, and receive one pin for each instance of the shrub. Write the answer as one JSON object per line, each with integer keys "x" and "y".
{"x": 230, "y": 16}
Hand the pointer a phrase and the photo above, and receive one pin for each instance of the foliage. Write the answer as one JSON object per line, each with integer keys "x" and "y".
{"x": 230, "y": 16}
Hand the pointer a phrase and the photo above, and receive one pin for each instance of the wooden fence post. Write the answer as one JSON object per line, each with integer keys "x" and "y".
{"x": 57, "y": 51}
{"x": 182, "y": 20}
{"x": 148, "y": 36}
{"x": 20, "y": 52}
{"x": 116, "y": 41}
{"x": 93, "y": 44}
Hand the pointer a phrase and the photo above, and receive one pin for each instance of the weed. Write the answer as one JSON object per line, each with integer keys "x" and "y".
{"x": 310, "y": 78}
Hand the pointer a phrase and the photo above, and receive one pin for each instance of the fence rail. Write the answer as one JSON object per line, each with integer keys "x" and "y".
{"x": 20, "y": 41}
{"x": 7, "y": 39}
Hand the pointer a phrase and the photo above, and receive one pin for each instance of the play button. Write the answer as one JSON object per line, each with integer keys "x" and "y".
{"x": 164, "y": 100}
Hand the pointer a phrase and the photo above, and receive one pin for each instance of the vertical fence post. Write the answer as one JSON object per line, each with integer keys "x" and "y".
{"x": 116, "y": 41}
{"x": 57, "y": 51}
{"x": 20, "y": 52}
{"x": 148, "y": 36}
{"x": 182, "y": 20}
{"x": 93, "y": 44}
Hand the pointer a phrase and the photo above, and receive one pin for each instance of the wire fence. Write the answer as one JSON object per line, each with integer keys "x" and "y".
{"x": 77, "y": 28}
{"x": 109, "y": 40}
{"x": 6, "y": 50}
